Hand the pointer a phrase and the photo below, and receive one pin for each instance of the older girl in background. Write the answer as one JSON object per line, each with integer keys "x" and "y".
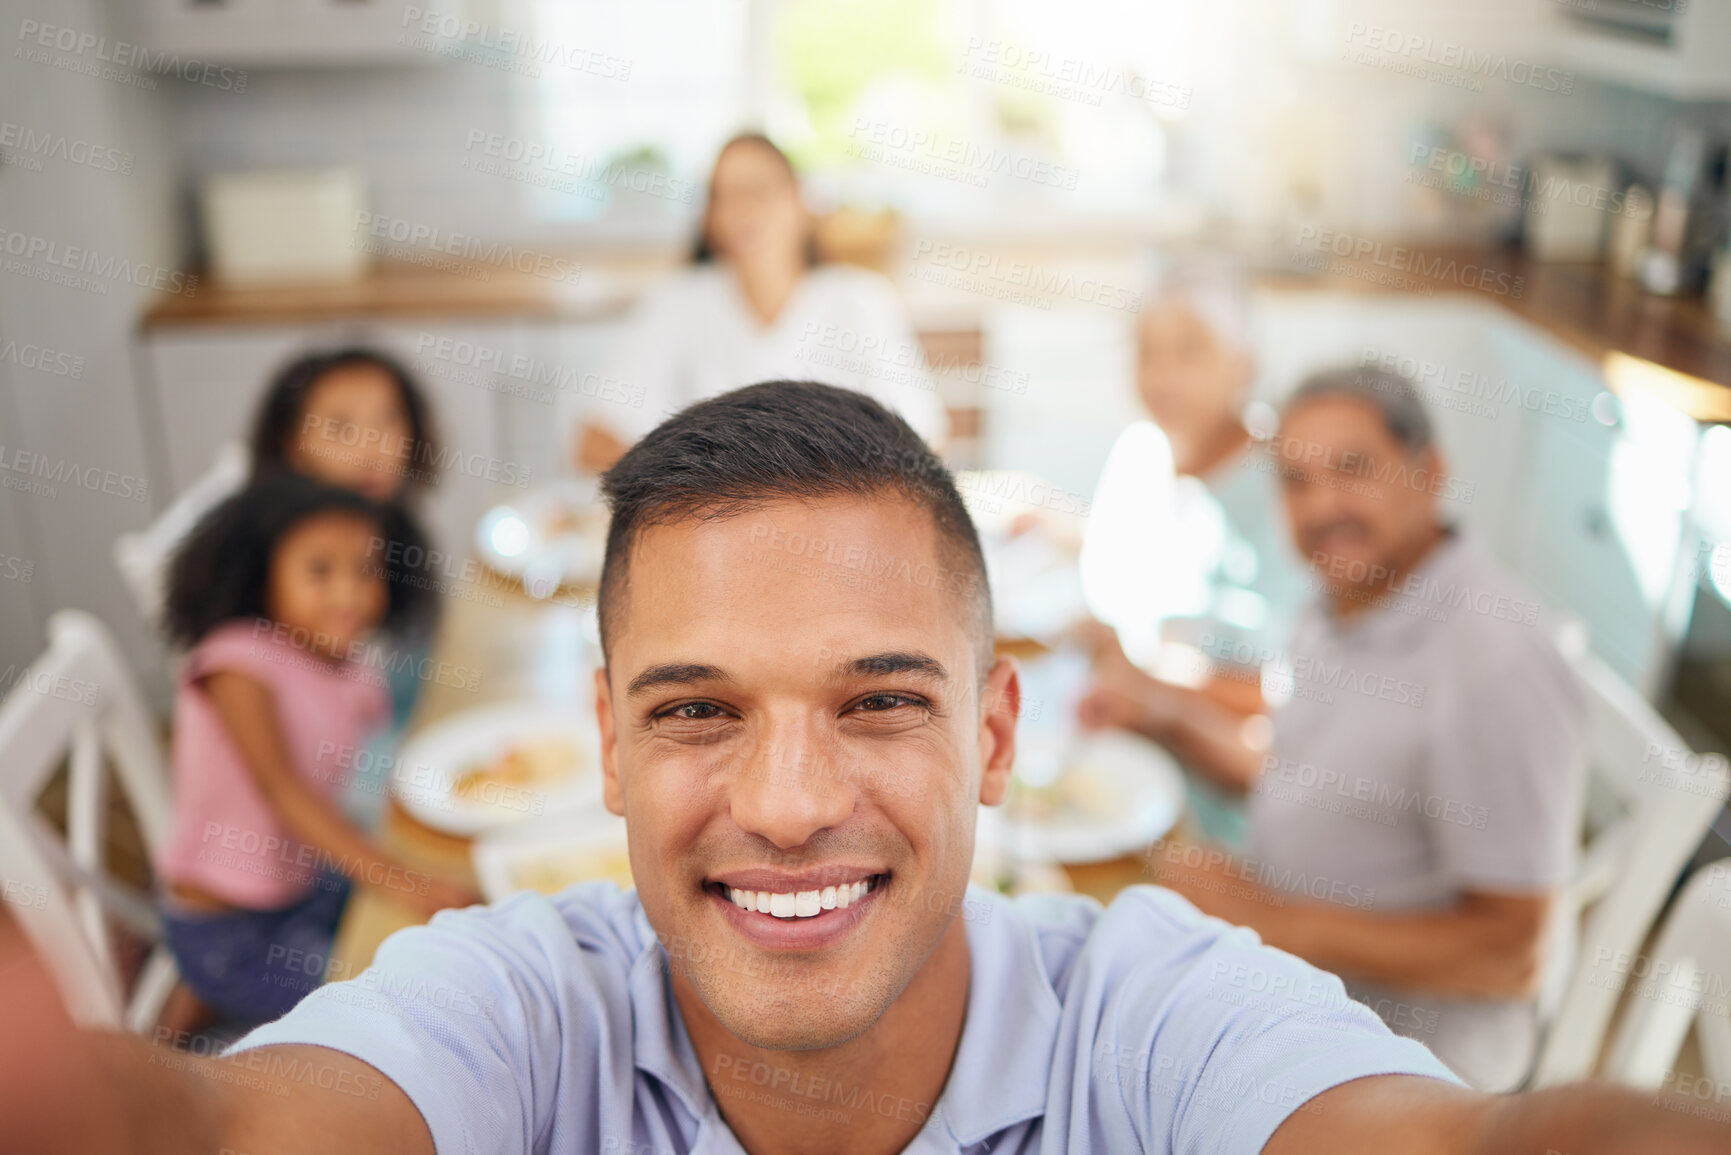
{"x": 354, "y": 417}
{"x": 351, "y": 417}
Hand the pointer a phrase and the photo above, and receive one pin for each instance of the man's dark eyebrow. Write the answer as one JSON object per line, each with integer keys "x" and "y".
{"x": 897, "y": 662}
{"x": 675, "y": 674}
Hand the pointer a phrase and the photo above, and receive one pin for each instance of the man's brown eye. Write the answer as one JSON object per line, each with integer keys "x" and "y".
{"x": 879, "y": 702}
{"x": 696, "y": 711}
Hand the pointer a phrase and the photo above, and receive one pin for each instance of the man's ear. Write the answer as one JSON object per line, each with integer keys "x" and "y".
{"x": 1000, "y": 703}
{"x": 611, "y": 794}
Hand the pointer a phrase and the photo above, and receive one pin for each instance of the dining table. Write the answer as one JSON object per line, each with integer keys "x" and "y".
{"x": 524, "y": 648}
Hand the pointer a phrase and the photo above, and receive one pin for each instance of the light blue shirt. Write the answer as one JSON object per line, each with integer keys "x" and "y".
{"x": 548, "y": 1025}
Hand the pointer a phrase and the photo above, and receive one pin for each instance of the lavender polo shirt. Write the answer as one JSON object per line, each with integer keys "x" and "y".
{"x": 548, "y": 1025}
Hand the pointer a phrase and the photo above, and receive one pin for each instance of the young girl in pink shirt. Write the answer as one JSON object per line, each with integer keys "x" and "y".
{"x": 274, "y": 595}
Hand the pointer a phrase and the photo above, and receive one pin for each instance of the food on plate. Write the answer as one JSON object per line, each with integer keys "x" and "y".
{"x": 554, "y": 871}
{"x": 529, "y": 764}
{"x": 1082, "y": 792}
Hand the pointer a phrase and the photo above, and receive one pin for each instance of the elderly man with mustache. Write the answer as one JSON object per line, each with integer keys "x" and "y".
{"x": 1414, "y": 812}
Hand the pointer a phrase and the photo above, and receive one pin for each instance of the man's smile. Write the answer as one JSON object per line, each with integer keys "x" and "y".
{"x": 801, "y": 911}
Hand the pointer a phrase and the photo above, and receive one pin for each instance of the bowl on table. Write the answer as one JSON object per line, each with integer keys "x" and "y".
{"x": 551, "y": 855}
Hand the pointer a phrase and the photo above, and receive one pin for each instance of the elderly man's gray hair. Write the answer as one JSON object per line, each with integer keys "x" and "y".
{"x": 1395, "y": 398}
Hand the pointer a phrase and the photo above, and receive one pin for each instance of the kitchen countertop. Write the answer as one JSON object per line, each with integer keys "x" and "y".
{"x": 1667, "y": 345}
{"x": 598, "y": 288}
{"x": 1671, "y": 346}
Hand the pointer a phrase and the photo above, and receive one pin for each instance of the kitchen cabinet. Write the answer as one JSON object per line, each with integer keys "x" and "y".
{"x": 1677, "y": 48}
{"x": 1603, "y": 506}
{"x": 282, "y": 33}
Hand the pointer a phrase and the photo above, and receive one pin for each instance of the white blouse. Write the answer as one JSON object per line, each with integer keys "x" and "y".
{"x": 695, "y": 336}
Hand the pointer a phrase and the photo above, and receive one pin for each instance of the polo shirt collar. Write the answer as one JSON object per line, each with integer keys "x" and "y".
{"x": 660, "y": 1044}
{"x": 1002, "y": 1072}
{"x": 1003, "y": 1069}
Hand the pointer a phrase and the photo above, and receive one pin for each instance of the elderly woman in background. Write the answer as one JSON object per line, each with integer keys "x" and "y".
{"x": 756, "y": 305}
{"x": 1185, "y": 553}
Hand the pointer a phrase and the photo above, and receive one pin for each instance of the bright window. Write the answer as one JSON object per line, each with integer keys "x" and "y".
{"x": 958, "y": 109}
{"x": 631, "y": 140}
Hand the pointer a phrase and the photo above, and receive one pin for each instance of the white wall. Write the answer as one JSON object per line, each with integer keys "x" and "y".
{"x": 86, "y": 428}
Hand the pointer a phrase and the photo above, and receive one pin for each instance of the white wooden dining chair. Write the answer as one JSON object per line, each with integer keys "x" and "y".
{"x": 1686, "y": 982}
{"x": 1651, "y": 800}
{"x": 77, "y": 706}
{"x": 143, "y": 557}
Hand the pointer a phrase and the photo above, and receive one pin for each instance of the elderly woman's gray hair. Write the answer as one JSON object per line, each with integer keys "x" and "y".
{"x": 1395, "y": 398}
{"x": 1215, "y": 286}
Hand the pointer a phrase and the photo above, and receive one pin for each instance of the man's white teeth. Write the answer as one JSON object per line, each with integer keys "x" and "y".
{"x": 800, "y": 904}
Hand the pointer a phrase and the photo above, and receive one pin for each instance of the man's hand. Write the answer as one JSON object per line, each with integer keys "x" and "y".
{"x": 1484, "y": 945}
{"x": 1220, "y": 742}
{"x": 65, "y": 1091}
{"x": 1125, "y": 699}
{"x": 1208, "y": 879}
{"x": 1415, "y": 1116}
{"x": 1121, "y": 696}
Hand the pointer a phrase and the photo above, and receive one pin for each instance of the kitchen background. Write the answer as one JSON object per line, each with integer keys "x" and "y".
{"x": 1449, "y": 186}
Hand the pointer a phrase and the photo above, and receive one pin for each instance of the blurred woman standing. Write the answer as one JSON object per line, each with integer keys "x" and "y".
{"x": 755, "y": 305}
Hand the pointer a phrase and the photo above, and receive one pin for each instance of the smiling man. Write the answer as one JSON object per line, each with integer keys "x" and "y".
{"x": 801, "y": 715}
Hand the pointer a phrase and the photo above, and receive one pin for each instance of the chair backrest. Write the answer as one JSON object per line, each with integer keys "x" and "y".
{"x": 77, "y": 707}
{"x": 143, "y": 557}
{"x": 1651, "y": 800}
{"x": 1685, "y": 981}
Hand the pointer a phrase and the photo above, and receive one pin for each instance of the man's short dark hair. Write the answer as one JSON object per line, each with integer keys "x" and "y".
{"x": 1395, "y": 398}
{"x": 789, "y": 440}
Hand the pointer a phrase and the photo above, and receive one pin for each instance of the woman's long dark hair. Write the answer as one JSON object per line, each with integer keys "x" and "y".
{"x": 284, "y": 402}
{"x": 701, "y": 252}
{"x": 221, "y": 572}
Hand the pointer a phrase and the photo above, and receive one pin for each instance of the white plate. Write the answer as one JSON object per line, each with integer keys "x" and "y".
{"x": 435, "y": 760}
{"x": 552, "y": 536}
{"x": 1135, "y": 790}
{"x": 550, "y": 856}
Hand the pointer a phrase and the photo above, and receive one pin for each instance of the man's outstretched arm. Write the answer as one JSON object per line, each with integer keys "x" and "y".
{"x": 1417, "y": 1116}
{"x": 65, "y": 1091}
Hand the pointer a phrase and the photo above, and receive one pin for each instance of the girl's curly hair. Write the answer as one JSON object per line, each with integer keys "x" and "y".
{"x": 221, "y": 571}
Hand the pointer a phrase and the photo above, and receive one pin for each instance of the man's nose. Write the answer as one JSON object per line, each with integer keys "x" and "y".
{"x": 789, "y": 786}
{"x": 1324, "y": 500}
